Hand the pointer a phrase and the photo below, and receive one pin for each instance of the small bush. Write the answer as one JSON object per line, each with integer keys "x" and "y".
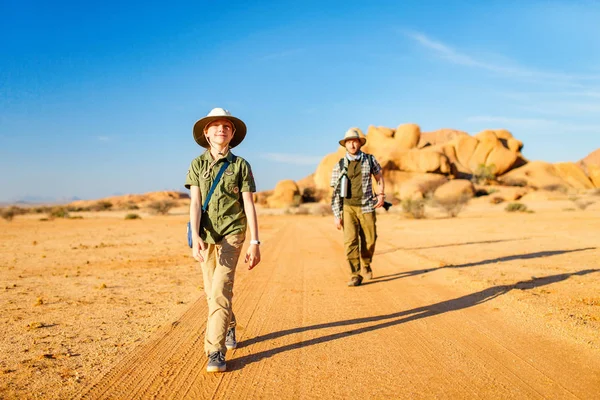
{"x": 8, "y": 213}
{"x": 131, "y": 206}
{"x": 414, "y": 208}
{"x": 132, "y": 216}
{"x": 58, "y": 212}
{"x": 484, "y": 174}
{"x": 516, "y": 207}
{"x": 102, "y": 205}
{"x": 452, "y": 206}
{"x": 581, "y": 203}
{"x": 161, "y": 207}
{"x": 515, "y": 182}
{"x": 556, "y": 188}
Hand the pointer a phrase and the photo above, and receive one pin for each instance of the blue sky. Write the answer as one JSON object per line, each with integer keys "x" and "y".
{"x": 100, "y": 99}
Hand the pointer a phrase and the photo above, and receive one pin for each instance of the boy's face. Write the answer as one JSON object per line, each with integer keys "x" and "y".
{"x": 219, "y": 132}
{"x": 352, "y": 146}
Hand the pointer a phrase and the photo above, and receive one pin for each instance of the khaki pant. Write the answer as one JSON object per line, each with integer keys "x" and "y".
{"x": 218, "y": 271}
{"x": 360, "y": 235}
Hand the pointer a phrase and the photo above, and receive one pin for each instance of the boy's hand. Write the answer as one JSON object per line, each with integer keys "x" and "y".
{"x": 252, "y": 256}
{"x": 339, "y": 224}
{"x": 380, "y": 200}
{"x": 198, "y": 247}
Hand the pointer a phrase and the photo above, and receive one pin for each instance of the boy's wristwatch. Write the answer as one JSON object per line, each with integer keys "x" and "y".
{"x": 255, "y": 242}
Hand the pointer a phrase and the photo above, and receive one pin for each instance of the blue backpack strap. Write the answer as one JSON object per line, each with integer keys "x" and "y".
{"x": 214, "y": 185}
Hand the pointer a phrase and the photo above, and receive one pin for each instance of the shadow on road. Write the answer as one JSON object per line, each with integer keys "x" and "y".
{"x": 448, "y": 245}
{"x": 539, "y": 254}
{"x": 384, "y": 321}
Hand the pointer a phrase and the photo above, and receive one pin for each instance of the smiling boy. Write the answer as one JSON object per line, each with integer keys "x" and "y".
{"x": 221, "y": 224}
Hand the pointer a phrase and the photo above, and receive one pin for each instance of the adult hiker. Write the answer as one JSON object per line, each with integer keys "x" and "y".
{"x": 221, "y": 208}
{"x": 354, "y": 204}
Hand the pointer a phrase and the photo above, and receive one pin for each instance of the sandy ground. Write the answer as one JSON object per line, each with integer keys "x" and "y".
{"x": 486, "y": 305}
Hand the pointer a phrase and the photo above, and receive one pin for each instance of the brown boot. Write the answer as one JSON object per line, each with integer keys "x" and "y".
{"x": 355, "y": 281}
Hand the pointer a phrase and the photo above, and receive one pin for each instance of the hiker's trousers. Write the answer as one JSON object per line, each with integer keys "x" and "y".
{"x": 218, "y": 271}
{"x": 360, "y": 235}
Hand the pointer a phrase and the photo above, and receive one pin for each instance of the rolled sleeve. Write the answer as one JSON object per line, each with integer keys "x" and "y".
{"x": 193, "y": 175}
{"x": 248, "y": 184}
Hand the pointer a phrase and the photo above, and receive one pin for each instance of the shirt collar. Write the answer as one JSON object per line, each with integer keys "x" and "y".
{"x": 357, "y": 157}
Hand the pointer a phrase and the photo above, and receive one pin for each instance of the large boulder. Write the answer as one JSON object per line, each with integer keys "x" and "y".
{"x": 455, "y": 189}
{"x": 285, "y": 194}
{"x": 441, "y": 136}
{"x": 421, "y": 161}
{"x": 322, "y": 177}
{"x": 419, "y": 186}
{"x": 536, "y": 174}
{"x": 407, "y": 136}
{"x": 594, "y": 174}
{"x": 574, "y": 175}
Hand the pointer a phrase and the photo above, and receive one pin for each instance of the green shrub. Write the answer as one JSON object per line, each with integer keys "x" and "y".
{"x": 581, "y": 204}
{"x": 58, "y": 212}
{"x": 414, "y": 208}
{"x": 132, "y": 216}
{"x": 161, "y": 207}
{"x": 484, "y": 174}
{"x": 516, "y": 207}
{"x": 102, "y": 205}
{"x": 452, "y": 206}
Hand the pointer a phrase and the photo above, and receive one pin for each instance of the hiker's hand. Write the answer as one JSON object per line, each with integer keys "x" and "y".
{"x": 252, "y": 256}
{"x": 198, "y": 247}
{"x": 339, "y": 223}
{"x": 380, "y": 200}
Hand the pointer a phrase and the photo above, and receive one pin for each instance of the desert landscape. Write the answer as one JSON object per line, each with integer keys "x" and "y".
{"x": 486, "y": 285}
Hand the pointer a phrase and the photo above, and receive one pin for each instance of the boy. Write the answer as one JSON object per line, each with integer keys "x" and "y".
{"x": 354, "y": 205}
{"x": 221, "y": 224}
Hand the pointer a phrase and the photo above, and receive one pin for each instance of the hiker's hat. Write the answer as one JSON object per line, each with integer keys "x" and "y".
{"x": 353, "y": 133}
{"x": 239, "y": 127}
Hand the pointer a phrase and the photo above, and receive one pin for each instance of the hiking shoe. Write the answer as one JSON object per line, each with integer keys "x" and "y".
{"x": 216, "y": 362}
{"x": 368, "y": 273}
{"x": 230, "y": 341}
{"x": 355, "y": 281}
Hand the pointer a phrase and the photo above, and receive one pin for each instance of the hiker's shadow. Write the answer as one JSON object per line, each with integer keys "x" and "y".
{"x": 384, "y": 321}
{"x": 393, "y": 249}
{"x": 526, "y": 256}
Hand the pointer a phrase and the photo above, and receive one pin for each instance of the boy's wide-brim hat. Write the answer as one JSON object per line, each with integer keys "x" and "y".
{"x": 353, "y": 134}
{"x": 239, "y": 127}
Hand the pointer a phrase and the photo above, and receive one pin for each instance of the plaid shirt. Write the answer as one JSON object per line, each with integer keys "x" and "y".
{"x": 367, "y": 168}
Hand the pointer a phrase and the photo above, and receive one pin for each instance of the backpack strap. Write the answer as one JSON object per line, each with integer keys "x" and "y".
{"x": 214, "y": 185}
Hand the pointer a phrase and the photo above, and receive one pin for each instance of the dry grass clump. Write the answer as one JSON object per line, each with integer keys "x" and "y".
{"x": 517, "y": 207}
{"x": 58, "y": 212}
{"x": 580, "y": 203}
{"x": 101, "y": 205}
{"x": 132, "y": 216}
{"x": 414, "y": 208}
{"x": 452, "y": 206}
{"x": 484, "y": 174}
{"x": 9, "y": 213}
{"x": 161, "y": 207}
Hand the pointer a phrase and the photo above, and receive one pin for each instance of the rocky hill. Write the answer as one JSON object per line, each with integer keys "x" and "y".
{"x": 416, "y": 163}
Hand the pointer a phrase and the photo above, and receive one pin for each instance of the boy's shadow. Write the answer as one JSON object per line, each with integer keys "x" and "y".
{"x": 384, "y": 321}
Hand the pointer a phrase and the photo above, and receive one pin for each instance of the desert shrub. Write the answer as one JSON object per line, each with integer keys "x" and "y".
{"x": 58, "y": 212}
{"x": 516, "y": 207}
{"x": 484, "y": 174}
{"x": 132, "y": 216}
{"x": 8, "y": 213}
{"x": 580, "y": 203}
{"x": 496, "y": 200}
{"x": 515, "y": 182}
{"x": 131, "y": 206}
{"x": 75, "y": 217}
{"x": 556, "y": 188}
{"x": 102, "y": 205}
{"x": 452, "y": 206}
{"x": 161, "y": 206}
{"x": 414, "y": 208}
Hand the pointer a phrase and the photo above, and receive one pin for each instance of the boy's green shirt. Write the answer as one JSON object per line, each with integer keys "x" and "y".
{"x": 225, "y": 214}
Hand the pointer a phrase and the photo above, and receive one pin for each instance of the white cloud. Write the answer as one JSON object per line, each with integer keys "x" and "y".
{"x": 294, "y": 159}
{"x": 534, "y": 125}
{"x": 456, "y": 57}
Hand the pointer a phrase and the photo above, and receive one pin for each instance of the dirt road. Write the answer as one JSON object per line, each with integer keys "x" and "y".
{"x": 455, "y": 310}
